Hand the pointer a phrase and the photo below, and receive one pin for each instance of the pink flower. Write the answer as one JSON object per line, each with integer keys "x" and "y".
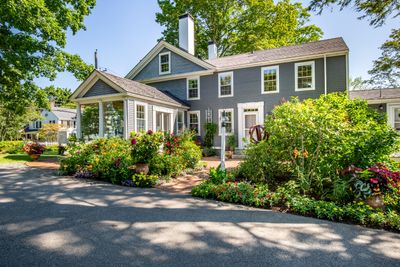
{"x": 133, "y": 141}
{"x": 374, "y": 180}
{"x": 150, "y": 132}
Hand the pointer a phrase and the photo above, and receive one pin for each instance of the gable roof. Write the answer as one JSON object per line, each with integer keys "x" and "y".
{"x": 376, "y": 94}
{"x": 157, "y": 49}
{"x": 64, "y": 113}
{"x": 272, "y": 55}
{"x": 125, "y": 87}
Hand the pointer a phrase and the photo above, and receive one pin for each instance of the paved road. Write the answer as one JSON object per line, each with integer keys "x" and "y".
{"x": 47, "y": 220}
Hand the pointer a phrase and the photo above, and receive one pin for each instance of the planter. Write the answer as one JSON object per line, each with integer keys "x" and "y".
{"x": 376, "y": 202}
{"x": 34, "y": 156}
{"x": 229, "y": 154}
{"x": 142, "y": 168}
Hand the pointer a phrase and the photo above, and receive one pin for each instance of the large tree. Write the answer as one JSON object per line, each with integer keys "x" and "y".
{"x": 32, "y": 39}
{"x": 376, "y": 11}
{"x": 60, "y": 96}
{"x": 386, "y": 69}
{"x": 239, "y": 26}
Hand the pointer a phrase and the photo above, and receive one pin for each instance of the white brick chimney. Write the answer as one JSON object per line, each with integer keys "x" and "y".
{"x": 186, "y": 33}
{"x": 212, "y": 50}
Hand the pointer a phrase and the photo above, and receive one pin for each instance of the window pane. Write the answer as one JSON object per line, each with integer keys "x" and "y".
{"x": 226, "y": 90}
{"x": 225, "y": 79}
{"x": 164, "y": 58}
{"x": 304, "y": 76}
{"x": 270, "y": 80}
{"x": 193, "y": 93}
{"x": 194, "y": 122}
{"x": 164, "y": 67}
{"x": 113, "y": 118}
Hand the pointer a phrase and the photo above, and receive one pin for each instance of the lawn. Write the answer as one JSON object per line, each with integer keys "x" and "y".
{"x": 21, "y": 158}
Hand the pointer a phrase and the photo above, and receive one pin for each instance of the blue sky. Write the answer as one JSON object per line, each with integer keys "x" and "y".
{"x": 124, "y": 31}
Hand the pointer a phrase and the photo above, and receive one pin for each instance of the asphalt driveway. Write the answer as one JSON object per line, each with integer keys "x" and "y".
{"x": 51, "y": 220}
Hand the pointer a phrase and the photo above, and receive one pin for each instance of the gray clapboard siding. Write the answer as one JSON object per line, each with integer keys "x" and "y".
{"x": 131, "y": 116}
{"x": 178, "y": 65}
{"x": 100, "y": 88}
{"x": 336, "y": 73}
{"x": 150, "y": 117}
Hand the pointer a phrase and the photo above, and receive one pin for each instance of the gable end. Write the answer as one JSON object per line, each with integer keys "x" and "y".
{"x": 100, "y": 88}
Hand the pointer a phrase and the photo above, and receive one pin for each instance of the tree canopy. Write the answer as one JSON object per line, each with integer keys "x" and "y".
{"x": 32, "y": 39}
{"x": 239, "y": 26}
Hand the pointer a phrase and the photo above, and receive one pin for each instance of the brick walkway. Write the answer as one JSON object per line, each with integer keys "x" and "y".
{"x": 181, "y": 184}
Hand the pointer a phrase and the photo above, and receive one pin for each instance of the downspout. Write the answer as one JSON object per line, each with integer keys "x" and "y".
{"x": 325, "y": 75}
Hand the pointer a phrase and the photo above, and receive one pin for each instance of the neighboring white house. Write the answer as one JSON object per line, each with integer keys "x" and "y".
{"x": 65, "y": 117}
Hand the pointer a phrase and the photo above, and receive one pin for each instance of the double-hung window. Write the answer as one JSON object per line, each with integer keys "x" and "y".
{"x": 180, "y": 127}
{"x": 304, "y": 76}
{"x": 165, "y": 63}
{"x": 140, "y": 117}
{"x": 194, "y": 121}
{"x": 270, "y": 80}
{"x": 225, "y": 84}
{"x": 228, "y": 120}
{"x": 193, "y": 88}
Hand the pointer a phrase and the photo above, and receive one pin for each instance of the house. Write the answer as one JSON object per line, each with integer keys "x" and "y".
{"x": 65, "y": 117}
{"x": 171, "y": 89}
{"x": 384, "y": 100}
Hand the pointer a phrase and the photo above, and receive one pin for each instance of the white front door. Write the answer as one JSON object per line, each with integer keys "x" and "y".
{"x": 249, "y": 114}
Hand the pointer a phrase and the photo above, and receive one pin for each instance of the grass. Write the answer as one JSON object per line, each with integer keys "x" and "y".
{"x": 21, "y": 158}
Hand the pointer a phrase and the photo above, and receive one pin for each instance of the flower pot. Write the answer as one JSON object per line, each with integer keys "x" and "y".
{"x": 142, "y": 168}
{"x": 34, "y": 156}
{"x": 376, "y": 202}
{"x": 229, "y": 154}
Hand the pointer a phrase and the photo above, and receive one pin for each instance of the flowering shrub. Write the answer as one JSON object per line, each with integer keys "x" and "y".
{"x": 287, "y": 198}
{"x": 145, "y": 145}
{"x": 34, "y": 148}
{"x": 313, "y": 140}
{"x": 171, "y": 143}
{"x": 105, "y": 158}
{"x": 375, "y": 180}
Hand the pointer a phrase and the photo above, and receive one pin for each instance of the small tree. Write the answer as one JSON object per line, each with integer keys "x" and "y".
{"x": 49, "y": 132}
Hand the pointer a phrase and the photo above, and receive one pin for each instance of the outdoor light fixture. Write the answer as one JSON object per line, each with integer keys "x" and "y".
{"x": 380, "y": 107}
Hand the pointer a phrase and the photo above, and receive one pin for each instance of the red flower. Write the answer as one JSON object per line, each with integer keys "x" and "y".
{"x": 133, "y": 141}
{"x": 374, "y": 180}
{"x": 168, "y": 144}
{"x": 150, "y": 132}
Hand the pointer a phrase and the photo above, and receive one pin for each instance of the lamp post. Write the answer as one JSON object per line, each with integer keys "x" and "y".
{"x": 223, "y": 124}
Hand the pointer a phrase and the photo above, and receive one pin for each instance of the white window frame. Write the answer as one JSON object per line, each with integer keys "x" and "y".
{"x": 220, "y": 118}
{"x": 177, "y": 120}
{"x": 197, "y": 112}
{"x": 219, "y": 83}
{"x": 198, "y": 88}
{"x": 263, "y": 82}
{"x": 145, "y": 115}
{"x": 307, "y": 63}
{"x": 169, "y": 63}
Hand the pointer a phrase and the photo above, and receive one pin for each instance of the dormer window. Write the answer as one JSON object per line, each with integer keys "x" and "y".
{"x": 165, "y": 62}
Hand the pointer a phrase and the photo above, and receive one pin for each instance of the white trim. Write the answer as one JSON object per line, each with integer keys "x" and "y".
{"x": 177, "y": 76}
{"x": 126, "y": 119}
{"x": 220, "y": 118}
{"x": 279, "y": 61}
{"x": 160, "y": 72}
{"x": 277, "y": 79}
{"x": 198, "y": 88}
{"x": 177, "y": 120}
{"x": 156, "y": 49}
{"x": 241, "y": 108}
{"x": 390, "y": 112}
{"x": 219, "y": 84}
{"x": 199, "y": 120}
{"x": 307, "y": 63}
{"x": 325, "y": 77}
{"x": 101, "y": 119}
{"x": 163, "y": 110}
{"x": 146, "y": 115}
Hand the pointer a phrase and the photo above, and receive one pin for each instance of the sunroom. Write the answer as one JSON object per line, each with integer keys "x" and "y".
{"x": 109, "y": 106}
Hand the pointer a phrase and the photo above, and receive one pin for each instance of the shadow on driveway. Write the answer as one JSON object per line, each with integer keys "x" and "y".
{"x": 52, "y": 220}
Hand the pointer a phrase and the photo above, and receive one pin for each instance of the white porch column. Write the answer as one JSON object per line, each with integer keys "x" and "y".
{"x": 101, "y": 119}
{"x": 78, "y": 121}
{"x": 126, "y": 119}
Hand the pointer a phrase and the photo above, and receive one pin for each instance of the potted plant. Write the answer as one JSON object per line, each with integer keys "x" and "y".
{"x": 34, "y": 150}
{"x": 231, "y": 142}
{"x": 145, "y": 146}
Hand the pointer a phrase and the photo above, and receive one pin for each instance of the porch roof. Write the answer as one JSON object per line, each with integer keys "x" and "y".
{"x": 376, "y": 94}
{"x": 130, "y": 87}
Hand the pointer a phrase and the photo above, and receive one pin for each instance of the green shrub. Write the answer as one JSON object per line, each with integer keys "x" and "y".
{"x": 190, "y": 154}
{"x": 143, "y": 180}
{"x": 211, "y": 130}
{"x": 145, "y": 145}
{"x": 316, "y": 139}
{"x": 52, "y": 148}
{"x": 166, "y": 165}
{"x": 11, "y": 147}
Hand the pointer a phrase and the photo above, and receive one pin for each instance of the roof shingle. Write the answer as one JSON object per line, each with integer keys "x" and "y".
{"x": 375, "y": 94}
{"x": 281, "y": 53}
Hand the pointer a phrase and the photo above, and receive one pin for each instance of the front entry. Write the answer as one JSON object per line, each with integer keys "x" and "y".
{"x": 249, "y": 114}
